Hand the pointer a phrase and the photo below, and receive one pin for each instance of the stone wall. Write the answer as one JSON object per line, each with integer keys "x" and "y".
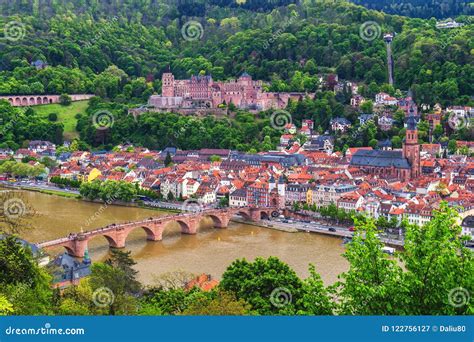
{"x": 34, "y": 100}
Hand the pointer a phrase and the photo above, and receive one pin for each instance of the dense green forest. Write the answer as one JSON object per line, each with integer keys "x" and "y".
{"x": 245, "y": 132}
{"x": 421, "y": 8}
{"x": 154, "y": 9}
{"x": 118, "y": 50}
{"x": 18, "y": 126}
{"x": 151, "y": 9}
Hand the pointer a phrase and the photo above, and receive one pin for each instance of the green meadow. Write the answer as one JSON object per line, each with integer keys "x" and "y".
{"x": 66, "y": 115}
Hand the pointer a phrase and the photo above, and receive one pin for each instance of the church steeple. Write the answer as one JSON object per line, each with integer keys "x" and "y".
{"x": 411, "y": 148}
{"x": 411, "y": 136}
{"x": 411, "y": 120}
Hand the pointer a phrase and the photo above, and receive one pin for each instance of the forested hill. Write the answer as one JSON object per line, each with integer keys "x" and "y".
{"x": 153, "y": 9}
{"x": 119, "y": 49}
{"x": 421, "y": 8}
{"x": 150, "y": 10}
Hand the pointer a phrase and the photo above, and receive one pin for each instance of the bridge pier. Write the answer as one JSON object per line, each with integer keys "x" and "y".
{"x": 223, "y": 222}
{"x": 190, "y": 226}
{"x": 155, "y": 233}
{"x": 119, "y": 244}
{"x": 117, "y": 238}
{"x": 255, "y": 215}
{"x": 77, "y": 248}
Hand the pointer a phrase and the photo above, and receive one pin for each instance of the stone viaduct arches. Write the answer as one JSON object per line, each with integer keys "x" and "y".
{"x": 33, "y": 100}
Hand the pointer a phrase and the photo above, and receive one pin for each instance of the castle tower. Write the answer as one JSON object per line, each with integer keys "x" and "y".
{"x": 388, "y": 41}
{"x": 245, "y": 84}
{"x": 271, "y": 184}
{"x": 167, "y": 85}
{"x": 281, "y": 187}
{"x": 245, "y": 80}
{"x": 411, "y": 148}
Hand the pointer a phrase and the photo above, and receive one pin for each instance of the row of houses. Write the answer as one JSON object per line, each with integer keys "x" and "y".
{"x": 276, "y": 178}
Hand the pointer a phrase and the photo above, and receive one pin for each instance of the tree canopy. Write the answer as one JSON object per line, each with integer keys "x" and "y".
{"x": 120, "y": 52}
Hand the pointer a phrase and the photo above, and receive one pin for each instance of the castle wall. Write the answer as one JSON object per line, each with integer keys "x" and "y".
{"x": 243, "y": 93}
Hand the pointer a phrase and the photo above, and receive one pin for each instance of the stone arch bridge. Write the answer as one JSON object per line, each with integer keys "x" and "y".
{"x": 116, "y": 234}
{"x": 33, "y": 100}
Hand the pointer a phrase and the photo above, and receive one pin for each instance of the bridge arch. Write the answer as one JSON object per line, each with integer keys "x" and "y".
{"x": 38, "y": 100}
{"x": 69, "y": 250}
{"x": 32, "y": 101}
{"x": 112, "y": 241}
{"x": 244, "y": 214}
{"x": 24, "y": 101}
{"x": 185, "y": 227}
{"x": 17, "y": 101}
{"x": 216, "y": 220}
{"x": 151, "y": 234}
{"x": 468, "y": 221}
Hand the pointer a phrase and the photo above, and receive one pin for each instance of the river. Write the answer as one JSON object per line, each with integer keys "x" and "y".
{"x": 210, "y": 251}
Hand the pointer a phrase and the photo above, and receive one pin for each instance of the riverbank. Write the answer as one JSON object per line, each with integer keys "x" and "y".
{"x": 262, "y": 224}
{"x": 176, "y": 208}
{"x": 49, "y": 192}
{"x": 209, "y": 251}
{"x": 348, "y": 234}
{"x": 74, "y": 194}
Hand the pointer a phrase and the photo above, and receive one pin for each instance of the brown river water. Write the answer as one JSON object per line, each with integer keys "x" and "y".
{"x": 210, "y": 251}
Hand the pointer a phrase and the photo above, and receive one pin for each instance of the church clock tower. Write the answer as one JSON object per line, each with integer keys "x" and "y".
{"x": 411, "y": 148}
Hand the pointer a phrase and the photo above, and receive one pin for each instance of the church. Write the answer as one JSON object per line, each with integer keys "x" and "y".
{"x": 399, "y": 164}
